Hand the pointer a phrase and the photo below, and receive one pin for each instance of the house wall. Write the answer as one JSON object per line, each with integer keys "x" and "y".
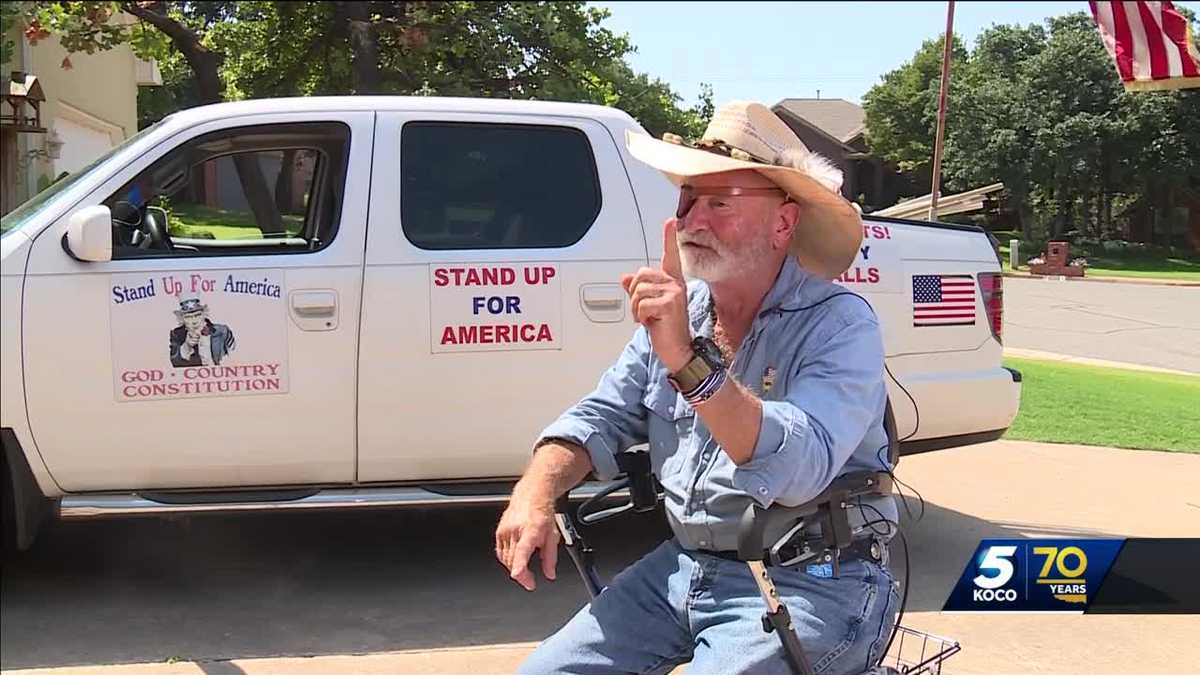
{"x": 92, "y": 106}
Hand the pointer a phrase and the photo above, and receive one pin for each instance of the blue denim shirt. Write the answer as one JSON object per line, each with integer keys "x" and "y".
{"x": 815, "y": 360}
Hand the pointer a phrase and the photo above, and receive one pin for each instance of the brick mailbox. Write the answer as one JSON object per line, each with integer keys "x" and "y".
{"x": 1056, "y": 261}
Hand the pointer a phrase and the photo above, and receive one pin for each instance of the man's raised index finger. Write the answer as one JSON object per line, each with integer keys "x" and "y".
{"x": 670, "y": 260}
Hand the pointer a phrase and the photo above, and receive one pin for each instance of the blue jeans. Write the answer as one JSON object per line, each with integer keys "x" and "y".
{"x": 674, "y": 606}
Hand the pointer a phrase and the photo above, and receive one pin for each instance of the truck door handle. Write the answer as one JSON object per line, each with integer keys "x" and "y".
{"x": 603, "y": 303}
{"x": 603, "y": 296}
{"x": 314, "y": 304}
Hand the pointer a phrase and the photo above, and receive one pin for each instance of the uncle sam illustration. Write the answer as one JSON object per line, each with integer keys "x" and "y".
{"x": 197, "y": 341}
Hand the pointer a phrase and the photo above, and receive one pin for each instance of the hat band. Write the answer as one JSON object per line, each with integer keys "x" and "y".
{"x": 717, "y": 147}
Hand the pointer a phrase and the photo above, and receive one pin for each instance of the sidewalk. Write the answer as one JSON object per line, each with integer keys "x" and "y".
{"x": 1111, "y": 280}
{"x": 465, "y": 660}
{"x": 1016, "y": 489}
{"x": 1019, "y": 353}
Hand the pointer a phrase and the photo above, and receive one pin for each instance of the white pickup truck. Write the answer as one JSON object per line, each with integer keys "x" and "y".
{"x": 336, "y": 302}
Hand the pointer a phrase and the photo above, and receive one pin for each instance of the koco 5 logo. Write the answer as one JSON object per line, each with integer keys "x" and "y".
{"x": 1061, "y": 574}
{"x": 996, "y": 570}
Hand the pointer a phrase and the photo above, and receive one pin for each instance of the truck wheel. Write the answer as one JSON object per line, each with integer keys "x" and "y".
{"x": 8, "y": 519}
{"x": 23, "y": 507}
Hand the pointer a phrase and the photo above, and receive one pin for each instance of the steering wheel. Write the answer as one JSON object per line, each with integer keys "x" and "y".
{"x": 154, "y": 224}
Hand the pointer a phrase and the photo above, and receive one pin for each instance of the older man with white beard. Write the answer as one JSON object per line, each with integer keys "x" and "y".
{"x": 758, "y": 380}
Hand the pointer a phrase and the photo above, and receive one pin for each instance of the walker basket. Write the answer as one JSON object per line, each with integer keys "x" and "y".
{"x": 916, "y": 652}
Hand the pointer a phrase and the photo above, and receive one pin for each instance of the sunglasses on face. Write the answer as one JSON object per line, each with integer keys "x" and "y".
{"x": 688, "y": 194}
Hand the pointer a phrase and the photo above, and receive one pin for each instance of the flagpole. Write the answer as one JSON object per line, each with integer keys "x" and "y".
{"x": 941, "y": 125}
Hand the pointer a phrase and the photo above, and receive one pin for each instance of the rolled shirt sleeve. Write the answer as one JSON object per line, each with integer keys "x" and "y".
{"x": 807, "y": 436}
{"x": 611, "y": 418}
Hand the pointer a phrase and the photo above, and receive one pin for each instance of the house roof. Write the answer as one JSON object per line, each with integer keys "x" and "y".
{"x": 837, "y": 117}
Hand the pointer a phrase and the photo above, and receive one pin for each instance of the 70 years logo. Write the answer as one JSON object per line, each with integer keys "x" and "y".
{"x": 1033, "y": 574}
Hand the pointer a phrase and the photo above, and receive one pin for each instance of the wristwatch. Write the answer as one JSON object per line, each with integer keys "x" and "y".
{"x": 706, "y": 362}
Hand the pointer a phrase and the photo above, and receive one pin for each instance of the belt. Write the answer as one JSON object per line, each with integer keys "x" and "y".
{"x": 868, "y": 548}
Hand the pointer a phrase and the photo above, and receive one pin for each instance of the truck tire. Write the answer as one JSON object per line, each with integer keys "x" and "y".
{"x": 23, "y": 507}
{"x": 8, "y": 520}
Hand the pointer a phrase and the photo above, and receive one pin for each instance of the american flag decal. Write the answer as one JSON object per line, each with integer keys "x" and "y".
{"x": 943, "y": 300}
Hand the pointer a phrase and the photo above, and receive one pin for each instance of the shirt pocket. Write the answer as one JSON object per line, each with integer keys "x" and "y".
{"x": 671, "y": 421}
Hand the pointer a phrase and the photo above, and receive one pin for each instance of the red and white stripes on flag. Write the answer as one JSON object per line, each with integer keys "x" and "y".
{"x": 1151, "y": 44}
{"x": 943, "y": 300}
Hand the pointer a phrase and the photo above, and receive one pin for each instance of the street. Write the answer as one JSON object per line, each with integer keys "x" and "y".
{"x": 289, "y": 584}
{"x": 281, "y": 279}
{"x": 311, "y": 584}
{"x": 1136, "y": 323}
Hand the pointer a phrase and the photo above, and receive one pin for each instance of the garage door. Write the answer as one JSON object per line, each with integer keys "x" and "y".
{"x": 81, "y": 144}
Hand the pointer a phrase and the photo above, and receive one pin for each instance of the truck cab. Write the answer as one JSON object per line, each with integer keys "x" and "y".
{"x": 322, "y": 302}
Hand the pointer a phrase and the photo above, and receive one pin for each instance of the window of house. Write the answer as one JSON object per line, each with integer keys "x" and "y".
{"x": 249, "y": 190}
{"x": 487, "y": 186}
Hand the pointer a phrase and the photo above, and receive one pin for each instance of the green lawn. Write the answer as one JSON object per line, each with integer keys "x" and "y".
{"x": 1069, "y": 403}
{"x": 1101, "y": 265}
{"x": 1170, "y": 268}
{"x": 192, "y": 220}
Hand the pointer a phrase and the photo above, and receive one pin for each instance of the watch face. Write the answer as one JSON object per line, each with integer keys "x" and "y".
{"x": 708, "y": 350}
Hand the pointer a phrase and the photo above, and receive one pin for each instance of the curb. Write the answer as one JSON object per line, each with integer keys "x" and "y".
{"x": 428, "y": 661}
{"x": 1105, "y": 280}
{"x": 1018, "y": 353}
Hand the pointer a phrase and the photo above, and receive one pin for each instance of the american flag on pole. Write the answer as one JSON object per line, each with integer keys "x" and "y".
{"x": 943, "y": 300}
{"x": 1150, "y": 43}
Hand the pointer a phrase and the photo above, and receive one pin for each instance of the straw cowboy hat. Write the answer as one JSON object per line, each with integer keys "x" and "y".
{"x": 747, "y": 135}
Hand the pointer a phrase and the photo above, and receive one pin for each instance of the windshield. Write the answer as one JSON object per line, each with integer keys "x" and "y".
{"x": 17, "y": 217}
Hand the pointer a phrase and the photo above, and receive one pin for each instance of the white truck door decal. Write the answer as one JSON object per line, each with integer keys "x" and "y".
{"x": 499, "y": 307}
{"x": 198, "y": 334}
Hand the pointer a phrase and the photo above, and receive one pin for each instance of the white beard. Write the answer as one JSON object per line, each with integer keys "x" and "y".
{"x": 719, "y": 263}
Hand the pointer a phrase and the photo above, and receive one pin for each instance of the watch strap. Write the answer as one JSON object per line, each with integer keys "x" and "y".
{"x": 691, "y": 375}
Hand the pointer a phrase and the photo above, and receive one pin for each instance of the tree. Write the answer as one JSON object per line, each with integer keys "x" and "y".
{"x": 901, "y": 111}
{"x": 215, "y": 51}
{"x": 1040, "y": 109}
{"x": 992, "y": 129}
{"x": 527, "y": 50}
{"x": 10, "y": 16}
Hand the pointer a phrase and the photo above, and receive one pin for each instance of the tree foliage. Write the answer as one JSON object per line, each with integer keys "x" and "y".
{"x": 217, "y": 51}
{"x": 904, "y": 105}
{"x": 212, "y": 51}
{"x": 1040, "y": 108}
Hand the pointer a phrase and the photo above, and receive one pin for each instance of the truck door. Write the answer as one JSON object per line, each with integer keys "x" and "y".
{"x": 492, "y": 297}
{"x": 217, "y": 348}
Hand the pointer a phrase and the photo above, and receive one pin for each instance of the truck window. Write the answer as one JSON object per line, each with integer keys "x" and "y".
{"x": 489, "y": 186}
{"x": 18, "y": 216}
{"x": 250, "y": 190}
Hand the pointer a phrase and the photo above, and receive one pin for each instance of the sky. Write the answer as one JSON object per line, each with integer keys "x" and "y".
{"x": 767, "y": 51}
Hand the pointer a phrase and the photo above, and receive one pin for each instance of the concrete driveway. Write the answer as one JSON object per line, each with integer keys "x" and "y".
{"x": 418, "y": 592}
{"x": 1135, "y": 323}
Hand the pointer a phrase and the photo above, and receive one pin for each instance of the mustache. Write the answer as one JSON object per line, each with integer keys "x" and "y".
{"x": 705, "y": 240}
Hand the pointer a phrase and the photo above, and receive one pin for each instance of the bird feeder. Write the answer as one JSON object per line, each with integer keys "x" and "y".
{"x": 22, "y": 107}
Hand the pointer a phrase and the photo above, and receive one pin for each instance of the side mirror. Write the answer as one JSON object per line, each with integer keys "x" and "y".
{"x": 89, "y": 234}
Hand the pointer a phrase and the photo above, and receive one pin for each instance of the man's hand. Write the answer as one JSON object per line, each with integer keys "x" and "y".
{"x": 659, "y": 301}
{"x": 527, "y": 525}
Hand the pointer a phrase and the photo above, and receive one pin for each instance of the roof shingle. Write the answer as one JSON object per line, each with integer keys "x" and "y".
{"x": 835, "y": 116}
